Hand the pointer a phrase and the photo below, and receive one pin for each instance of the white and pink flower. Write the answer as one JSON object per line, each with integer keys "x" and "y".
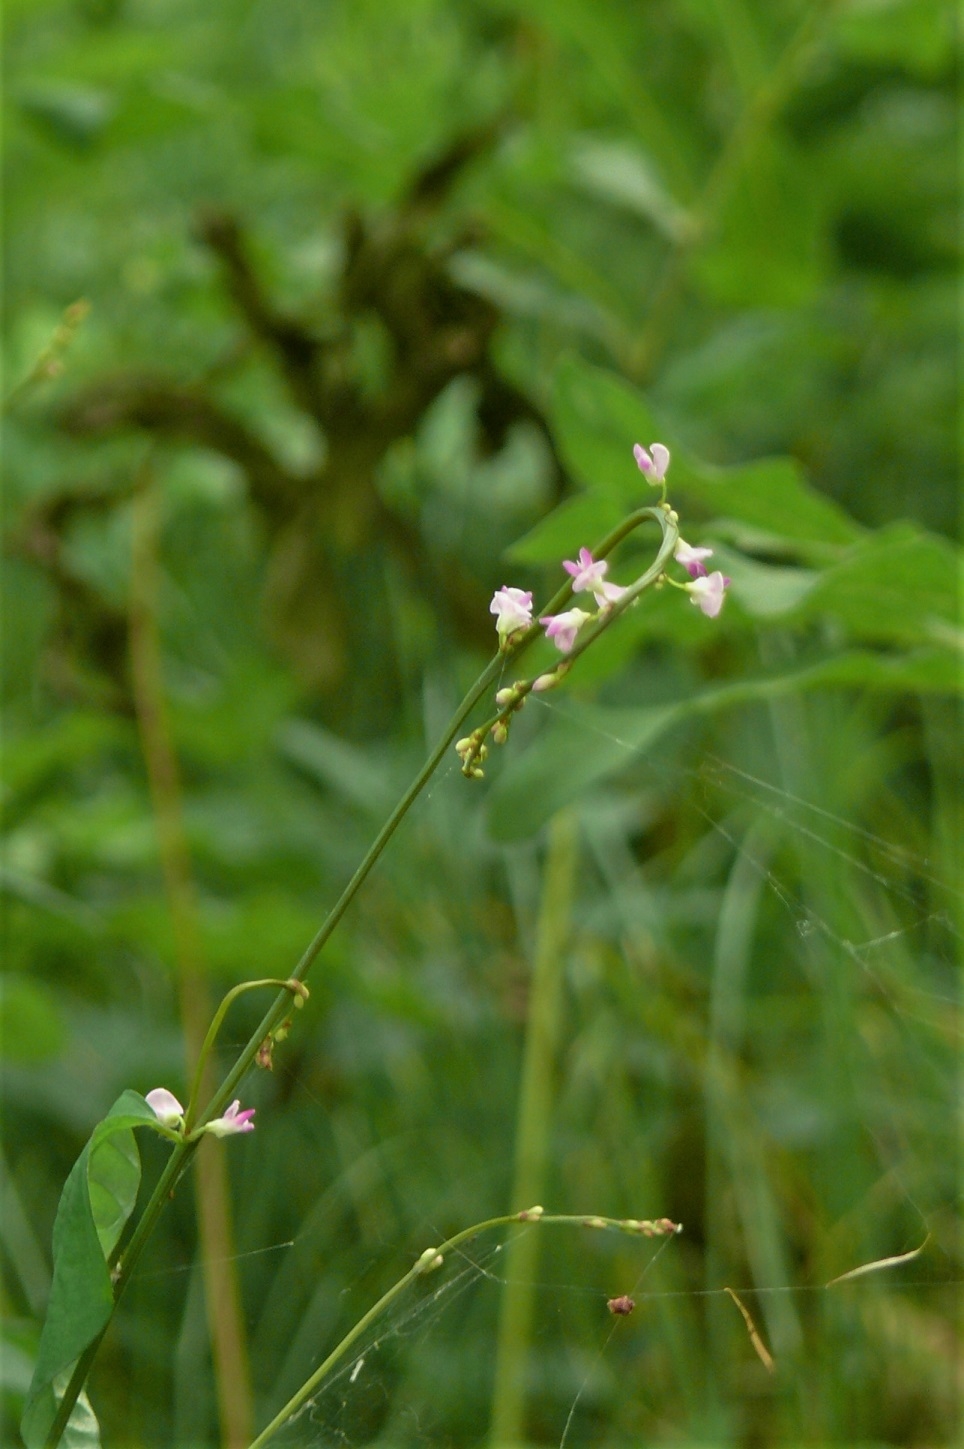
{"x": 166, "y": 1108}
{"x": 652, "y": 462}
{"x": 692, "y": 559}
{"x": 588, "y": 575}
{"x": 513, "y": 610}
{"x": 563, "y": 628}
{"x": 232, "y": 1121}
{"x": 708, "y": 592}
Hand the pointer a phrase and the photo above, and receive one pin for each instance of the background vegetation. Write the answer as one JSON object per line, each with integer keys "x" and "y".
{"x": 377, "y": 291}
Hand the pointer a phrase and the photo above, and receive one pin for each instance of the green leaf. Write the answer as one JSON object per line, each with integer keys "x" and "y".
{"x": 575, "y": 524}
{"x": 592, "y": 743}
{"x": 764, "y": 591}
{"x": 896, "y": 586}
{"x": 31, "y": 1022}
{"x": 915, "y": 35}
{"x": 113, "y": 1177}
{"x": 771, "y": 495}
{"x": 96, "y": 1202}
{"x": 82, "y": 1430}
{"x": 599, "y": 416}
{"x": 74, "y": 114}
{"x": 766, "y": 249}
{"x": 899, "y": 585}
{"x": 341, "y": 766}
{"x": 624, "y": 175}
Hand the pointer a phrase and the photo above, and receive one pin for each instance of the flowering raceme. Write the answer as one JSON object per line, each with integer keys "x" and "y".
{"x": 513, "y": 607}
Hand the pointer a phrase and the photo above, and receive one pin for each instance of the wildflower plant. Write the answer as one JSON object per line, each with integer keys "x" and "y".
{"x": 92, "y": 1263}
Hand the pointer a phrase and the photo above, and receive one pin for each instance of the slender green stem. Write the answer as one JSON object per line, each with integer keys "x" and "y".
{"x": 433, "y": 1258}
{"x": 215, "y": 1027}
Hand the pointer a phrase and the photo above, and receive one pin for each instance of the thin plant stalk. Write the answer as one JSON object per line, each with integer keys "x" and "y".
{"x": 431, "y": 1259}
{"x": 123, "y": 1261}
{"x": 222, "y": 1295}
{"x": 533, "y": 1129}
{"x": 217, "y": 1021}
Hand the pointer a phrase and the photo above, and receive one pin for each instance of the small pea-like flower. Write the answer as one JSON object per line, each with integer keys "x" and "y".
{"x": 692, "y": 559}
{"x": 563, "y": 628}
{"x": 232, "y": 1121}
{"x": 166, "y": 1108}
{"x": 513, "y": 610}
{"x": 707, "y": 592}
{"x": 588, "y": 574}
{"x": 654, "y": 463}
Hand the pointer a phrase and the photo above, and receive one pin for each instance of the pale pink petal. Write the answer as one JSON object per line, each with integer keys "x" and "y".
{"x": 660, "y": 454}
{"x": 587, "y": 574}
{"x": 708, "y": 592}
{"x": 692, "y": 558}
{"x": 654, "y": 463}
{"x": 563, "y": 628}
{"x": 165, "y": 1106}
{"x": 609, "y": 594}
{"x": 513, "y": 610}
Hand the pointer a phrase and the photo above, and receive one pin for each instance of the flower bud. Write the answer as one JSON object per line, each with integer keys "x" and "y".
{"x": 552, "y": 679}
{"x": 429, "y": 1261}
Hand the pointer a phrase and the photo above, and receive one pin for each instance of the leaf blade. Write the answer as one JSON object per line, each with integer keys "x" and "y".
{"x": 81, "y": 1294}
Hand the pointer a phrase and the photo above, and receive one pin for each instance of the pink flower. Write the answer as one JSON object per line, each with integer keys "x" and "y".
{"x": 692, "y": 559}
{"x": 232, "y": 1121}
{"x": 707, "y": 593}
{"x": 165, "y": 1106}
{"x": 588, "y": 574}
{"x": 563, "y": 628}
{"x": 654, "y": 463}
{"x": 513, "y": 610}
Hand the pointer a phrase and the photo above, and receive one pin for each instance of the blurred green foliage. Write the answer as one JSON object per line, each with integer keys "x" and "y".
{"x": 381, "y": 297}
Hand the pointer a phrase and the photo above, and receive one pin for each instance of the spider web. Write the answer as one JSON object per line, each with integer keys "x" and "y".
{"x": 382, "y": 1393}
